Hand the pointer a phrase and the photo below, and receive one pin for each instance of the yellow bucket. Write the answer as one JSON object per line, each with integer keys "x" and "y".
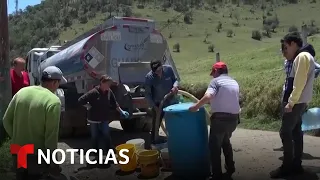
{"x": 149, "y": 163}
{"x": 132, "y": 164}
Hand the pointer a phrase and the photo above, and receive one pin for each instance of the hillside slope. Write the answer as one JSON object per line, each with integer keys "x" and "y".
{"x": 219, "y": 27}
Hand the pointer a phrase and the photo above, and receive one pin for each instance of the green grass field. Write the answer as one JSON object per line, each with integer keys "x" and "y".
{"x": 257, "y": 65}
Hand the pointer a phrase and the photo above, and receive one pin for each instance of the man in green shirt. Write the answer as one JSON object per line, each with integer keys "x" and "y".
{"x": 33, "y": 117}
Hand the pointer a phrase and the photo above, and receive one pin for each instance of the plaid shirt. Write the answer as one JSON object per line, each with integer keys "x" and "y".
{"x": 287, "y": 68}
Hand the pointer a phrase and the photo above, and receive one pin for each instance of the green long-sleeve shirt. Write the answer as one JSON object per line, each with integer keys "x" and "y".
{"x": 33, "y": 117}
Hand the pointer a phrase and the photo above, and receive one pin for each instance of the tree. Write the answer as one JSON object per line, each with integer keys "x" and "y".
{"x": 275, "y": 23}
{"x": 236, "y": 15}
{"x": 229, "y": 33}
{"x": 219, "y": 26}
{"x": 188, "y": 18}
{"x": 127, "y": 12}
{"x": 267, "y": 30}
{"x": 272, "y": 23}
{"x": 293, "y": 29}
{"x": 211, "y": 48}
{"x": 67, "y": 21}
{"x": 176, "y": 47}
{"x": 211, "y": 2}
{"x": 256, "y": 35}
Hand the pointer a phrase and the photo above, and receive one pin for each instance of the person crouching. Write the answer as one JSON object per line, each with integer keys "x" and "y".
{"x": 99, "y": 101}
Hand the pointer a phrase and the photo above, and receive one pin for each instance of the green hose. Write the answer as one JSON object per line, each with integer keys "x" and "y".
{"x": 158, "y": 114}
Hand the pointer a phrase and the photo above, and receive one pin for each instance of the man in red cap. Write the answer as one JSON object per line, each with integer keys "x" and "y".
{"x": 223, "y": 96}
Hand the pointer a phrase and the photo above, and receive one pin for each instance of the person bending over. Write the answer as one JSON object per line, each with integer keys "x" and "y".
{"x": 160, "y": 81}
{"x": 100, "y": 101}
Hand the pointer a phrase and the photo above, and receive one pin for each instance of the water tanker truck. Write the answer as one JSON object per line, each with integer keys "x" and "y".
{"x": 122, "y": 50}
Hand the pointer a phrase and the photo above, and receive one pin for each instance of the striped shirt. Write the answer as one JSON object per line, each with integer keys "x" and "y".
{"x": 225, "y": 91}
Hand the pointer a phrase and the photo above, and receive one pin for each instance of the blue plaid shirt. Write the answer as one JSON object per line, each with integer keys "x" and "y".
{"x": 287, "y": 68}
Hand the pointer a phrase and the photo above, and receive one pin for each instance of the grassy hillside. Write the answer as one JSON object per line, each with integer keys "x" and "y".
{"x": 256, "y": 64}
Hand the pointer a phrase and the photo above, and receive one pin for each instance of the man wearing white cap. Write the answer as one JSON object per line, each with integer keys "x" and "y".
{"x": 33, "y": 117}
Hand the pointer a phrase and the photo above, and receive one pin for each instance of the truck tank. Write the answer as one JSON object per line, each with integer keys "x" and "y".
{"x": 117, "y": 51}
{"x": 114, "y": 21}
{"x": 101, "y": 53}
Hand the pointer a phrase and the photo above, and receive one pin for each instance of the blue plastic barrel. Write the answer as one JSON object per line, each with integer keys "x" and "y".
{"x": 311, "y": 119}
{"x": 187, "y": 141}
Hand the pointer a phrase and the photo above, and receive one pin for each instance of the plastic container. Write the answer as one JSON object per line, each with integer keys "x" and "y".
{"x": 187, "y": 141}
{"x": 132, "y": 164}
{"x": 159, "y": 146}
{"x": 138, "y": 143}
{"x": 149, "y": 163}
{"x": 311, "y": 119}
{"x": 165, "y": 157}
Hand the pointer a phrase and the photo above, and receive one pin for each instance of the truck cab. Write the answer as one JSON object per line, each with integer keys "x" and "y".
{"x": 34, "y": 58}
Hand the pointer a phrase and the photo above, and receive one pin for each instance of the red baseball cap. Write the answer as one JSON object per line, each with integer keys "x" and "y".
{"x": 218, "y": 65}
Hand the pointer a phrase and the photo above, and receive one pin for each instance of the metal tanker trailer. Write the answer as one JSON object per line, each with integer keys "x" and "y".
{"x": 122, "y": 51}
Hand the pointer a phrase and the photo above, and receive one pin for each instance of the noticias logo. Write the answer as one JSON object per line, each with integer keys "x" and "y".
{"x": 28, "y": 149}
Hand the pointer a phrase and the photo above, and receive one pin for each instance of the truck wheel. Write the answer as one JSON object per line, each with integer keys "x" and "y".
{"x": 81, "y": 131}
{"x": 65, "y": 132}
{"x": 142, "y": 124}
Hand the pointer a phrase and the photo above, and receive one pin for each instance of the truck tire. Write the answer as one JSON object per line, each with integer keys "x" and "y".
{"x": 65, "y": 132}
{"x": 142, "y": 124}
{"x": 81, "y": 131}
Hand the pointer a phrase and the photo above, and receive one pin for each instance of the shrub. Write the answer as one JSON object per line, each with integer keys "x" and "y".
{"x": 83, "y": 19}
{"x": 166, "y": 4}
{"x": 256, "y": 34}
{"x": 312, "y": 30}
{"x": 187, "y": 19}
{"x": 180, "y": 7}
{"x": 229, "y": 33}
{"x": 211, "y": 48}
{"x": 67, "y": 21}
{"x": 267, "y": 105}
{"x": 197, "y": 90}
{"x": 91, "y": 14}
{"x": 127, "y": 12}
{"x": 293, "y": 28}
{"x": 176, "y": 47}
{"x": 140, "y": 6}
{"x": 219, "y": 26}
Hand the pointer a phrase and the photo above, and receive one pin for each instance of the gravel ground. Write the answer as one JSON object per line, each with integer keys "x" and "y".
{"x": 253, "y": 152}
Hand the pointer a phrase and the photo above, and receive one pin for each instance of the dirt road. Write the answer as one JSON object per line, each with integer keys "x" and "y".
{"x": 253, "y": 150}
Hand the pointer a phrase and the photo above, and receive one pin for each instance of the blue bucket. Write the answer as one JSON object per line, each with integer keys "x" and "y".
{"x": 187, "y": 141}
{"x": 311, "y": 119}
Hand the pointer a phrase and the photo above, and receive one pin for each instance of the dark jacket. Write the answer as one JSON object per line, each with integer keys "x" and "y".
{"x": 157, "y": 88}
{"x": 102, "y": 104}
{"x": 289, "y": 88}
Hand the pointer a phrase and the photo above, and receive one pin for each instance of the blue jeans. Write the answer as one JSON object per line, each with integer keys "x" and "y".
{"x": 101, "y": 131}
